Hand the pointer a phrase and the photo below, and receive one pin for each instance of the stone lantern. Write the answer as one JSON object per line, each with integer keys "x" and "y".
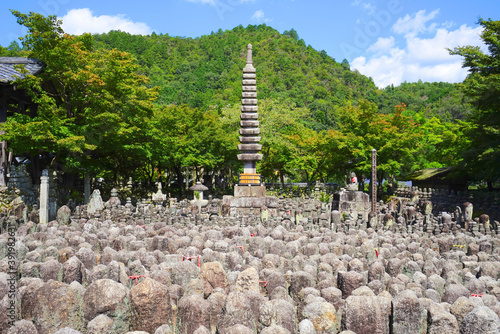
{"x": 200, "y": 188}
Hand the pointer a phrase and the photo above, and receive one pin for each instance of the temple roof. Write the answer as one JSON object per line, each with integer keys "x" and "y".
{"x": 427, "y": 173}
{"x": 9, "y": 73}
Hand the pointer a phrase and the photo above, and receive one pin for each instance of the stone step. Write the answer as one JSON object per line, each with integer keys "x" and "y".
{"x": 249, "y": 82}
{"x": 249, "y": 88}
{"x": 249, "y": 101}
{"x": 249, "y": 75}
{"x": 249, "y": 94}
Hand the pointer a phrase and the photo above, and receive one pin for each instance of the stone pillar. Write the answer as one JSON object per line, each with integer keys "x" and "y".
{"x": 3, "y": 152}
{"x": 44, "y": 197}
{"x": 3, "y": 164}
{"x": 373, "y": 181}
{"x": 249, "y": 131}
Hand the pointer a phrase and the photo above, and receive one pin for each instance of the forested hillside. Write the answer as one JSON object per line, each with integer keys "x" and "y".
{"x": 307, "y": 88}
{"x": 115, "y": 105}
{"x": 206, "y": 71}
{"x": 440, "y": 99}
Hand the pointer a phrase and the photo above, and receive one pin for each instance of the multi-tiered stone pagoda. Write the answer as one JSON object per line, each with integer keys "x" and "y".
{"x": 250, "y": 193}
{"x": 250, "y": 131}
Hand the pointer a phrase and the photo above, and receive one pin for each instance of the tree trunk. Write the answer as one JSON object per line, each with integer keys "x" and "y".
{"x": 490, "y": 185}
{"x": 380, "y": 179}
{"x": 180, "y": 177}
{"x": 35, "y": 169}
{"x": 54, "y": 160}
{"x": 361, "y": 186}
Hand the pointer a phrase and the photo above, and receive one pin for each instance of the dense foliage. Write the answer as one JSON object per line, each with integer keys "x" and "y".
{"x": 119, "y": 105}
{"x": 482, "y": 86}
{"x": 206, "y": 71}
{"x": 311, "y": 94}
{"x": 91, "y": 103}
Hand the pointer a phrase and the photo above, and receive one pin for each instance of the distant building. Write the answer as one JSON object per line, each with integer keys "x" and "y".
{"x": 438, "y": 178}
{"x": 14, "y": 100}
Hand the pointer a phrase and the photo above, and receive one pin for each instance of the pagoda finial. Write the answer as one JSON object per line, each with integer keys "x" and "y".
{"x": 249, "y": 54}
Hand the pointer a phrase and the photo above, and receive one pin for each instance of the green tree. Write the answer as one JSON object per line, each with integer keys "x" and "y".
{"x": 92, "y": 106}
{"x": 13, "y": 50}
{"x": 482, "y": 86}
{"x": 280, "y": 123}
{"x": 322, "y": 155}
{"x": 396, "y": 138}
{"x": 190, "y": 137}
{"x": 206, "y": 71}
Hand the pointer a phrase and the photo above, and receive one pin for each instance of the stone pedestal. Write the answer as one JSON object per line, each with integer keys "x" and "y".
{"x": 352, "y": 203}
{"x": 249, "y": 191}
{"x": 243, "y": 206}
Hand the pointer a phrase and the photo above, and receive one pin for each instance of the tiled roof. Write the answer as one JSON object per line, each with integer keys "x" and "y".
{"x": 9, "y": 73}
{"x": 425, "y": 174}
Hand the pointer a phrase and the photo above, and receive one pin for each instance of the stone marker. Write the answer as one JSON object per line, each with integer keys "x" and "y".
{"x": 44, "y": 197}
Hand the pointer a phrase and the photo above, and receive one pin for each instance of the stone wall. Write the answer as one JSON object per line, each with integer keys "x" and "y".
{"x": 448, "y": 200}
{"x": 20, "y": 180}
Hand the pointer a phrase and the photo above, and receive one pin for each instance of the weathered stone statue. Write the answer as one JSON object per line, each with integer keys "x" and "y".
{"x": 350, "y": 201}
{"x": 352, "y": 182}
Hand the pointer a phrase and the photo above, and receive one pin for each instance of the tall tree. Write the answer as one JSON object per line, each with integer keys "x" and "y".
{"x": 92, "y": 103}
{"x": 482, "y": 86}
{"x": 396, "y": 138}
{"x": 190, "y": 137}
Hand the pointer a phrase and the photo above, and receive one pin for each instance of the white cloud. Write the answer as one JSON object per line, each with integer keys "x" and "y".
{"x": 419, "y": 58}
{"x": 214, "y": 2}
{"x": 366, "y": 6}
{"x": 369, "y": 8}
{"x": 259, "y": 16}
{"x": 434, "y": 49}
{"x": 385, "y": 69}
{"x": 382, "y": 44}
{"x": 79, "y": 21}
{"x": 210, "y": 2}
{"x": 413, "y": 25}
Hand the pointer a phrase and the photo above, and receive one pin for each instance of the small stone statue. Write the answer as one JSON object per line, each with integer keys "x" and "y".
{"x": 352, "y": 182}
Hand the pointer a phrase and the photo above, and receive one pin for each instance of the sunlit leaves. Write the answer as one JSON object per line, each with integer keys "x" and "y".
{"x": 482, "y": 86}
{"x": 90, "y": 103}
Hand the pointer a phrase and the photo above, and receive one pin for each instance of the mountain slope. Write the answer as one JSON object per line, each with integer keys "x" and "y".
{"x": 206, "y": 71}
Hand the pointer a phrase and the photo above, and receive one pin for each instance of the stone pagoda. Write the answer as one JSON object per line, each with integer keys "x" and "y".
{"x": 249, "y": 134}
{"x": 250, "y": 192}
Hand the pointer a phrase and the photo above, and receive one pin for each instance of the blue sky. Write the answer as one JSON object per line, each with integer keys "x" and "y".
{"x": 391, "y": 41}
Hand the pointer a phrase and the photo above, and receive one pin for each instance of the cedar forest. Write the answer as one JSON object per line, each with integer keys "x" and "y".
{"x": 117, "y": 105}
